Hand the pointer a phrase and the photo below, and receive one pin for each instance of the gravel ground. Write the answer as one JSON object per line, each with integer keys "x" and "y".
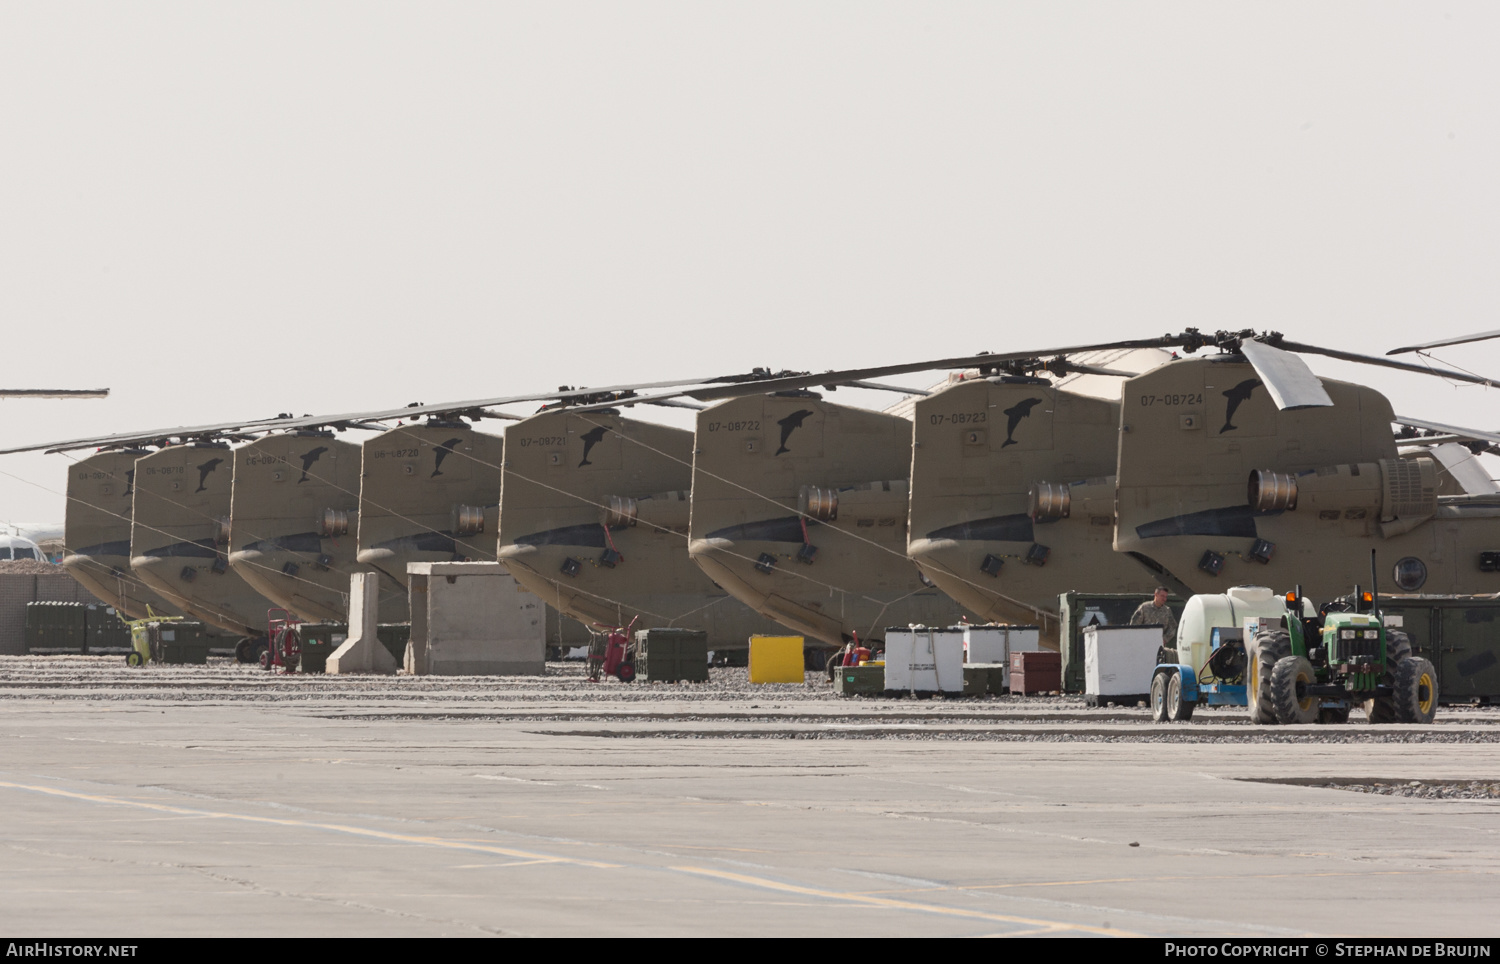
{"x": 1472, "y": 790}
{"x": 727, "y": 706}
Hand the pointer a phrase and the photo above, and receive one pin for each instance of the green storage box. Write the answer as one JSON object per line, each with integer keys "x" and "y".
{"x": 107, "y": 632}
{"x": 178, "y": 642}
{"x": 319, "y": 640}
{"x": 671, "y": 655}
{"x": 976, "y": 679}
{"x": 55, "y": 627}
{"x": 394, "y": 637}
{"x": 859, "y": 681}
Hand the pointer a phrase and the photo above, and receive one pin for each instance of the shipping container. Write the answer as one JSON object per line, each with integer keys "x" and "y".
{"x": 920, "y": 660}
{"x": 1118, "y": 663}
{"x": 1459, "y": 635}
{"x": 1080, "y": 610}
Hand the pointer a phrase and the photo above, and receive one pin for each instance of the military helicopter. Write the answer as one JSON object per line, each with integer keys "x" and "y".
{"x": 429, "y": 492}
{"x": 96, "y": 531}
{"x": 1219, "y": 484}
{"x": 294, "y": 506}
{"x": 594, "y": 519}
{"x": 179, "y": 536}
{"x": 1284, "y": 376}
{"x": 799, "y": 510}
{"x": 1012, "y": 489}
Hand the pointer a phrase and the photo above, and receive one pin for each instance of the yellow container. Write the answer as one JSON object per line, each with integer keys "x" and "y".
{"x": 776, "y": 659}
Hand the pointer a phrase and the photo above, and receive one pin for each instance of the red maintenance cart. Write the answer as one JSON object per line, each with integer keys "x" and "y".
{"x": 617, "y": 658}
{"x": 284, "y": 647}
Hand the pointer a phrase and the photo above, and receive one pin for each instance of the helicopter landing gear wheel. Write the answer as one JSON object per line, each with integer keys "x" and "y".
{"x": 1333, "y": 714}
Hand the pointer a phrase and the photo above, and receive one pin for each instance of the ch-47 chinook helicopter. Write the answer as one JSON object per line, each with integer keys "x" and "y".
{"x": 430, "y": 492}
{"x": 295, "y": 503}
{"x": 96, "y": 531}
{"x": 1012, "y": 488}
{"x": 799, "y": 510}
{"x": 594, "y": 519}
{"x": 179, "y": 536}
{"x": 1221, "y": 482}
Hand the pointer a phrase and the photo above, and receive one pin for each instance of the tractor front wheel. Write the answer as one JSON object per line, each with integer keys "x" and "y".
{"x": 1263, "y": 653}
{"x": 1159, "y": 697}
{"x": 1291, "y": 675}
{"x": 1416, "y": 695}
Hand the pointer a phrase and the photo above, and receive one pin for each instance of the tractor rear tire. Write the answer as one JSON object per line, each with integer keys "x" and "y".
{"x": 1178, "y": 709}
{"x": 1416, "y": 695}
{"x": 1382, "y": 709}
{"x": 1262, "y": 655}
{"x": 1159, "y": 697}
{"x": 1290, "y": 707}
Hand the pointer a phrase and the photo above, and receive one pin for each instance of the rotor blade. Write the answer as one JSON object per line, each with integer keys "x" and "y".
{"x": 1389, "y": 363}
{"x": 349, "y": 418}
{"x": 791, "y": 383}
{"x": 1096, "y": 370}
{"x": 1288, "y": 380}
{"x": 1469, "y": 433}
{"x": 877, "y": 387}
{"x": 54, "y": 393}
{"x": 1463, "y": 340}
{"x": 670, "y": 403}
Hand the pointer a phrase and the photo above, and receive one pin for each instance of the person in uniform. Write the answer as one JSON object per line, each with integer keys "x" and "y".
{"x": 1157, "y": 613}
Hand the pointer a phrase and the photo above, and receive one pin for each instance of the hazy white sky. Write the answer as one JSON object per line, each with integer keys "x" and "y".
{"x": 231, "y": 210}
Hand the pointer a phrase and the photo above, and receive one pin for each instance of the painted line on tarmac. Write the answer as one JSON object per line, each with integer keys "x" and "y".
{"x": 526, "y": 855}
{"x": 938, "y": 888}
{"x": 1042, "y": 926}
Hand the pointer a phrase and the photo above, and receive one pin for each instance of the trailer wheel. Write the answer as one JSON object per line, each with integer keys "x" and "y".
{"x": 1382, "y": 709}
{"x": 1290, "y": 706}
{"x": 133, "y": 659}
{"x": 1416, "y": 696}
{"x": 625, "y": 672}
{"x": 1262, "y": 655}
{"x": 1178, "y": 709}
{"x": 1159, "y": 697}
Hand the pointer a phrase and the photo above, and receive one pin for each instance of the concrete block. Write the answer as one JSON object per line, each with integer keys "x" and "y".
{"x": 362, "y": 652}
{"x": 473, "y": 619}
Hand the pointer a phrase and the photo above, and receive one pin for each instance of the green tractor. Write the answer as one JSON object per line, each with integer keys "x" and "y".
{"x": 1314, "y": 669}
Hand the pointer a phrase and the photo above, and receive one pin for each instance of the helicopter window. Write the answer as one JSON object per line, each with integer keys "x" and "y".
{"x": 1410, "y": 573}
{"x": 22, "y": 552}
{"x": 4, "y": 552}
